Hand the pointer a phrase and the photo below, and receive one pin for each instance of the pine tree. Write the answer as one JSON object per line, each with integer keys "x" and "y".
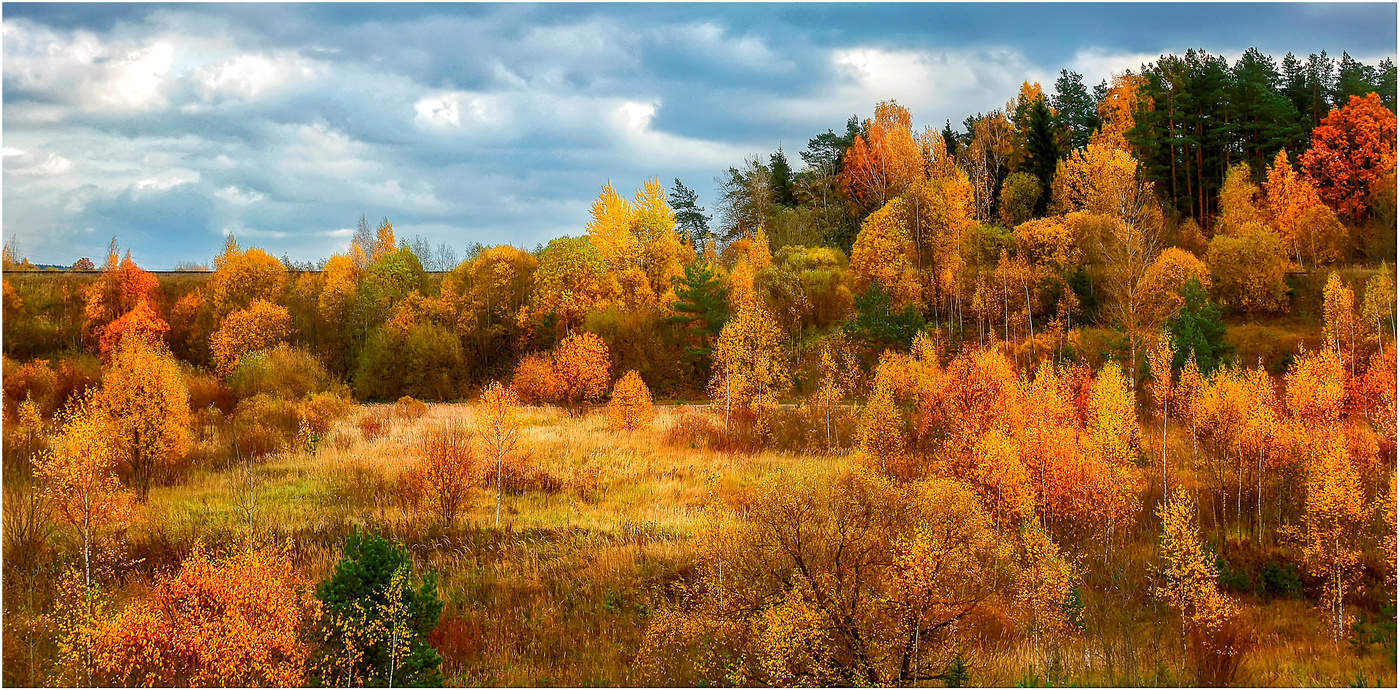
{"x": 1198, "y": 329}
{"x": 1264, "y": 119}
{"x": 780, "y": 179}
{"x": 1076, "y": 112}
{"x": 1042, "y": 149}
{"x": 691, "y": 220}
{"x": 1353, "y": 79}
{"x": 364, "y": 647}
{"x": 702, "y": 308}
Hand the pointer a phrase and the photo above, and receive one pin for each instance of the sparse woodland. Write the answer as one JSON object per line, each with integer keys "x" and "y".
{"x": 1099, "y": 389}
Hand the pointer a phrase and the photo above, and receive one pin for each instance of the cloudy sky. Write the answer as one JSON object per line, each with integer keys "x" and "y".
{"x": 171, "y": 125}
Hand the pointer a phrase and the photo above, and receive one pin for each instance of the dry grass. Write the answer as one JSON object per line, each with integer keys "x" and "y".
{"x": 560, "y": 593}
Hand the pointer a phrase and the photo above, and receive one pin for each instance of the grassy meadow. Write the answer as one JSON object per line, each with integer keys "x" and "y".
{"x": 598, "y": 536}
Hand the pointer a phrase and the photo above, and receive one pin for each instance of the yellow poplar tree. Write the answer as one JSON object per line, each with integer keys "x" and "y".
{"x": 749, "y": 364}
{"x": 1189, "y": 579}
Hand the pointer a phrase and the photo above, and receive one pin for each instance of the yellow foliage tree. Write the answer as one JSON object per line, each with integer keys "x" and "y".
{"x": 1189, "y": 579}
{"x": 884, "y": 252}
{"x": 749, "y": 365}
{"x": 1334, "y": 515}
{"x": 1118, "y": 108}
{"x": 1162, "y": 283}
{"x": 498, "y": 424}
{"x": 79, "y": 473}
{"x": 259, "y": 326}
{"x": 145, "y": 398}
{"x": 241, "y": 277}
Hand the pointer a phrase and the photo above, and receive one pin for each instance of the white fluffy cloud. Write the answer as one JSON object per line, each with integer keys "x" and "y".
{"x": 169, "y": 125}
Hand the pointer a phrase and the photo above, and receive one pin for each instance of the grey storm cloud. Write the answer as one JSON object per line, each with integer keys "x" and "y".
{"x": 171, "y": 125}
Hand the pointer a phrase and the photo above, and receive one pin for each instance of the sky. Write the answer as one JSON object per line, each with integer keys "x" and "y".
{"x": 170, "y": 126}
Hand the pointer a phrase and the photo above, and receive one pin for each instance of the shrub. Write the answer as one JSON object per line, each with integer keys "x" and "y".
{"x": 320, "y": 411}
{"x": 410, "y": 408}
{"x": 519, "y": 476}
{"x": 282, "y": 371}
{"x": 423, "y": 361}
{"x": 206, "y": 390}
{"x": 75, "y": 374}
{"x": 265, "y": 425}
{"x": 371, "y": 426}
{"x": 581, "y": 367}
{"x": 695, "y": 430}
{"x": 445, "y": 470}
{"x": 1247, "y": 270}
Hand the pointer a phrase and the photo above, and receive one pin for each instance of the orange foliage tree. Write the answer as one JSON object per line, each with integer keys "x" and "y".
{"x": 1296, "y": 210}
{"x": 639, "y": 239}
{"x": 1161, "y": 286}
{"x": 885, "y": 160}
{"x": 581, "y": 368}
{"x": 1118, "y": 109}
{"x": 535, "y": 380}
{"x": 259, "y": 326}
{"x": 1352, "y": 148}
{"x": 141, "y": 322}
{"x": 630, "y": 406}
{"x": 446, "y": 470}
{"x": 237, "y": 623}
{"x": 1339, "y": 327}
{"x": 122, "y": 285}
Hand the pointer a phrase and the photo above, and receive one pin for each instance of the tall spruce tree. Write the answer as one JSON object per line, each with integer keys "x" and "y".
{"x": 1075, "y": 109}
{"x": 1042, "y": 150}
{"x": 780, "y": 179}
{"x": 701, "y": 309}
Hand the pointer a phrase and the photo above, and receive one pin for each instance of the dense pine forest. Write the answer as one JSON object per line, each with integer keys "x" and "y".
{"x": 1097, "y": 388}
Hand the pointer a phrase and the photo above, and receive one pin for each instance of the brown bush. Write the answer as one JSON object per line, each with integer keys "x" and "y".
{"x": 695, "y": 430}
{"x": 410, "y": 408}
{"x": 521, "y": 476}
{"x": 265, "y": 425}
{"x": 33, "y": 379}
{"x": 1218, "y": 654}
{"x": 371, "y": 426}
{"x": 75, "y": 374}
{"x": 445, "y": 471}
{"x": 457, "y": 639}
{"x": 206, "y": 390}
